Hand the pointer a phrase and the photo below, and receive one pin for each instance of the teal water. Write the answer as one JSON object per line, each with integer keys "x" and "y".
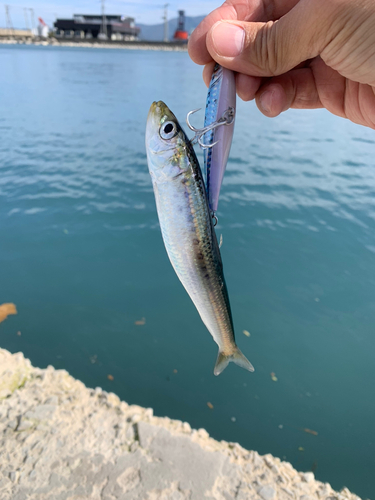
{"x": 82, "y": 257}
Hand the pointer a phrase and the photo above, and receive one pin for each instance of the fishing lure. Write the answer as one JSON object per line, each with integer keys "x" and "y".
{"x": 216, "y": 135}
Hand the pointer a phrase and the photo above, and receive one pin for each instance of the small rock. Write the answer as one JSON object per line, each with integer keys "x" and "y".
{"x": 13, "y": 424}
{"x": 346, "y": 492}
{"x": 13, "y": 476}
{"x": 288, "y": 492}
{"x": 129, "y": 478}
{"x": 202, "y": 433}
{"x": 135, "y": 418}
{"x": 24, "y": 425}
{"x": 308, "y": 477}
{"x": 29, "y": 459}
{"x": 258, "y": 462}
{"x": 149, "y": 413}
{"x": 267, "y": 492}
{"x": 41, "y": 412}
{"x": 186, "y": 427}
{"x": 53, "y": 400}
{"x": 130, "y": 433}
{"x": 268, "y": 461}
{"x": 134, "y": 446}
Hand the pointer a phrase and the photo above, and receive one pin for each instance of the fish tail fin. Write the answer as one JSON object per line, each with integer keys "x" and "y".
{"x": 237, "y": 357}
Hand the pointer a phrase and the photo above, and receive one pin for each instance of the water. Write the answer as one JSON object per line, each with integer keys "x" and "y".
{"x": 81, "y": 256}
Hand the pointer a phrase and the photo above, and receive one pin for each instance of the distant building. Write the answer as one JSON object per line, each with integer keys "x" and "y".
{"x": 181, "y": 35}
{"x": 43, "y": 29}
{"x": 8, "y": 32}
{"x": 113, "y": 27}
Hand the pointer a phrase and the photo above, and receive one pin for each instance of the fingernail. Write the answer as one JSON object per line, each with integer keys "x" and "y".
{"x": 265, "y": 101}
{"x": 228, "y": 39}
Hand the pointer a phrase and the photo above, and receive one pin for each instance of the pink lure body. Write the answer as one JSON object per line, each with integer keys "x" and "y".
{"x": 221, "y": 97}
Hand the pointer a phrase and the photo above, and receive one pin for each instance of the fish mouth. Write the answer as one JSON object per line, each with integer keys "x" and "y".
{"x": 159, "y": 112}
{"x": 153, "y": 121}
{"x": 159, "y": 109}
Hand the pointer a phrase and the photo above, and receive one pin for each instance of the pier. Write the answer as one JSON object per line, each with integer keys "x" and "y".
{"x": 91, "y": 43}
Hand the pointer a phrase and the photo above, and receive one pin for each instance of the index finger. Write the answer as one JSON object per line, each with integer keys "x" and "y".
{"x": 231, "y": 10}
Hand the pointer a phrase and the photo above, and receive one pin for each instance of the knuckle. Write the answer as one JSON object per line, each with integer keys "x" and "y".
{"x": 269, "y": 52}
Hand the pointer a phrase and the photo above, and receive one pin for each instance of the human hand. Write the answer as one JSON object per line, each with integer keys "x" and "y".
{"x": 295, "y": 54}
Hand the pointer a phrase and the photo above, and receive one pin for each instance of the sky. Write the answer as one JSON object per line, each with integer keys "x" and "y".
{"x": 144, "y": 11}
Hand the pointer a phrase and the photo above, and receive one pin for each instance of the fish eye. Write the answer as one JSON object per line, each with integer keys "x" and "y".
{"x": 168, "y": 130}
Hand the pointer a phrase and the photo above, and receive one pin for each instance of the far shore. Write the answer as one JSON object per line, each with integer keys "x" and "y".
{"x": 95, "y": 44}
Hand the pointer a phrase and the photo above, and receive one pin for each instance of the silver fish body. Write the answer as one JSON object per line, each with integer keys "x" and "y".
{"x": 187, "y": 228}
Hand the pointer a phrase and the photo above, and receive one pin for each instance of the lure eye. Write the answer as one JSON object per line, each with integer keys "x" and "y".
{"x": 168, "y": 130}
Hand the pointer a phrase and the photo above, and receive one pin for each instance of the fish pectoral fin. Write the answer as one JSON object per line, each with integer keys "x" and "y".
{"x": 237, "y": 357}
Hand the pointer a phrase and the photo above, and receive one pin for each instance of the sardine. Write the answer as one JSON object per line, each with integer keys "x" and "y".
{"x": 187, "y": 228}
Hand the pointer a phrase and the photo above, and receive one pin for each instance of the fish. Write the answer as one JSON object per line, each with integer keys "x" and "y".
{"x": 187, "y": 229}
{"x": 220, "y": 106}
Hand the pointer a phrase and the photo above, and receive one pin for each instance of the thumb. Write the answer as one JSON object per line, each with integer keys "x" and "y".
{"x": 273, "y": 48}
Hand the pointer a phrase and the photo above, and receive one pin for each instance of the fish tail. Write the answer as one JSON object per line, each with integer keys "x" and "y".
{"x": 237, "y": 357}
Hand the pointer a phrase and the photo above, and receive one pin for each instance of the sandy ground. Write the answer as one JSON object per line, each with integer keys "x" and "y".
{"x": 60, "y": 440}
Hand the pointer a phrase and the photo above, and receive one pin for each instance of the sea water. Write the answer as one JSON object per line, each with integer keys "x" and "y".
{"x": 81, "y": 256}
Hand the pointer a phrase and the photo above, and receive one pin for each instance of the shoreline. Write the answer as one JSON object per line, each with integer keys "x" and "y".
{"x": 96, "y": 44}
{"x": 60, "y": 439}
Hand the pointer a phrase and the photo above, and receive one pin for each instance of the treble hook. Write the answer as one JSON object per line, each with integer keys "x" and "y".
{"x": 226, "y": 119}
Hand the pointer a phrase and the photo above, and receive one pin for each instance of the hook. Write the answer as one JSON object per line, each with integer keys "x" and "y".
{"x": 226, "y": 119}
{"x": 199, "y": 132}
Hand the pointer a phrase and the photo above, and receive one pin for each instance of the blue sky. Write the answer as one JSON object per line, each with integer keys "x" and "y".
{"x": 144, "y": 11}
